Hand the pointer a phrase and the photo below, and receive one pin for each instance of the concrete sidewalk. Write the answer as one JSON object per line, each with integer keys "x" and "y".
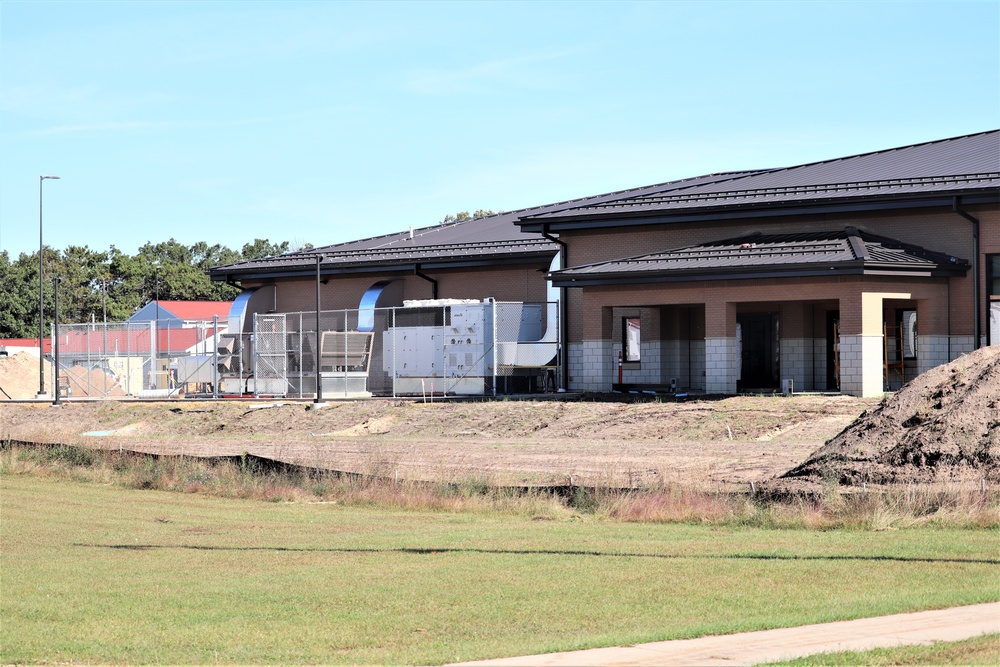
{"x": 751, "y": 648}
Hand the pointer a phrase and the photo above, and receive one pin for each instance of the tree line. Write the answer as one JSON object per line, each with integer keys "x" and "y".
{"x": 111, "y": 284}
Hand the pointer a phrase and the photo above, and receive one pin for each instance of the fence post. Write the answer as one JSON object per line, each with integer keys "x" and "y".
{"x": 493, "y": 343}
{"x": 255, "y": 339}
{"x": 152, "y": 351}
{"x": 215, "y": 356}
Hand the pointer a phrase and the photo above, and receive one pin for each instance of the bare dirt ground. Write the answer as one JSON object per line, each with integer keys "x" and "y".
{"x": 942, "y": 426}
{"x": 710, "y": 444}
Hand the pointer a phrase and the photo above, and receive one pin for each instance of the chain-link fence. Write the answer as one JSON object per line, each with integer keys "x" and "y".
{"x": 441, "y": 348}
{"x": 139, "y": 359}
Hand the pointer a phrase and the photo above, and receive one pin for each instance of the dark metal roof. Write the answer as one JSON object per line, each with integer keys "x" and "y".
{"x": 847, "y": 251}
{"x": 489, "y": 240}
{"x": 940, "y": 169}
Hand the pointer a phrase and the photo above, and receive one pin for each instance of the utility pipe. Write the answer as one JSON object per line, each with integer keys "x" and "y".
{"x": 434, "y": 283}
{"x": 957, "y": 208}
{"x": 563, "y": 310}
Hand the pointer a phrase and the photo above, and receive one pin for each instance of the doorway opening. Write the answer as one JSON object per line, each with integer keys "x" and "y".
{"x": 759, "y": 351}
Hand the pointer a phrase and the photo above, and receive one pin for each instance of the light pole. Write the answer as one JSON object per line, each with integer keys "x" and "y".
{"x": 318, "y": 402}
{"x": 55, "y": 343}
{"x": 41, "y": 295}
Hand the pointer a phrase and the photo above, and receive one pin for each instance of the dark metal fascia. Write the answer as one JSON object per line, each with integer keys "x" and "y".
{"x": 853, "y": 269}
{"x": 409, "y": 267}
{"x": 774, "y": 210}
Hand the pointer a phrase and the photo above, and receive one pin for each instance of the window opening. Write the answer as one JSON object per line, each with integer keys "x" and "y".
{"x": 631, "y": 338}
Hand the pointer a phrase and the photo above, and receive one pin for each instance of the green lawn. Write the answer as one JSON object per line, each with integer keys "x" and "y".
{"x": 983, "y": 651}
{"x": 93, "y": 573}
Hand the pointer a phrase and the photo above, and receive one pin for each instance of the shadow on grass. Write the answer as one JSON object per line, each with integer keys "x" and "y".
{"x": 542, "y": 552}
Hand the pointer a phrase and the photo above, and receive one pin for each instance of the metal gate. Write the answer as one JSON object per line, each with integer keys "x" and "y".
{"x": 270, "y": 372}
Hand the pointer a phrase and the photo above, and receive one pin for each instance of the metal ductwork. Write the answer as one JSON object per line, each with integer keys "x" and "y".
{"x": 383, "y": 294}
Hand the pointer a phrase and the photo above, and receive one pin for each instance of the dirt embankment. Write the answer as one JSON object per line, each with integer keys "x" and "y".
{"x": 19, "y": 379}
{"x": 19, "y": 376}
{"x": 942, "y": 426}
{"x": 710, "y": 444}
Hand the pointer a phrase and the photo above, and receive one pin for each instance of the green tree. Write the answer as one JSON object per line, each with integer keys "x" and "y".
{"x": 465, "y": 215}
{"x": 94, "y": 281}
{"x": 263, "y": 248}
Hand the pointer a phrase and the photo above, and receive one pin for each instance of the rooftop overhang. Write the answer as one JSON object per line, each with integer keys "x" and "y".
{"x": 568, "y": 278}
{"x": 331, "y": 269}
{"x": 614, "y": 219}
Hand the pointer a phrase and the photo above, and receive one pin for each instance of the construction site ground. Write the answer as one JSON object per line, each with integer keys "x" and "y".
{"x": 712, "y": 444}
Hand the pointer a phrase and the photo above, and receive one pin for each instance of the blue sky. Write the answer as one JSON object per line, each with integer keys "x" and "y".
{"x": 321, "y": 122}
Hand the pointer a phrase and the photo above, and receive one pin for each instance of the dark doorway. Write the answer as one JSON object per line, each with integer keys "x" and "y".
{"x": 832, "y": 350}
{"x": 759, "y": 362}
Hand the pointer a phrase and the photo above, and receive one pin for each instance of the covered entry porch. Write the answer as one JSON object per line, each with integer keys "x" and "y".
{"x": 860, "y": 328}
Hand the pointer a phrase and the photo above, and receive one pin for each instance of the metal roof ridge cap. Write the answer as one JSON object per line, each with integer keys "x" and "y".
{"x": 857, "y": 243}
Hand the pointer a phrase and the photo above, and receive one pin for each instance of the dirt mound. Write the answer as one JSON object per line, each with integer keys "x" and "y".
{"x": 19, "y": 376}
{"x": 944, "y": 425}
{"x": 82, "y": 381}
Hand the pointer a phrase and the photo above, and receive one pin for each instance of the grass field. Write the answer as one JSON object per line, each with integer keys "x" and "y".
{"x": 94, "y": 573}
{"x": 977, "y": 651}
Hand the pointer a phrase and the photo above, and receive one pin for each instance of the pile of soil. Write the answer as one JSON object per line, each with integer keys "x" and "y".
{"x": 942, "y": 426}
{"x": 91, "y": 382}
{"x": 19, "y": 376}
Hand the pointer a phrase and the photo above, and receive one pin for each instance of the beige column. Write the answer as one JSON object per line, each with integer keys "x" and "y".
{"x": 861, "y": 348}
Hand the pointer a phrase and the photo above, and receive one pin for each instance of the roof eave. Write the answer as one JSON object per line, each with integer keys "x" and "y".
{"x": 769, "y": 209}
{"x": 309, "y": 270}
{"x": 744, "y": 273}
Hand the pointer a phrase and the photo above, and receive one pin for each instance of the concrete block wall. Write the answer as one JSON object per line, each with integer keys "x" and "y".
{"x": 819, "y": 360}
{"x": 720, "y": 365}
{"x": 861, "y": 370}
{"x": 931, "y": 351}
{"x": 962, "y": 345}
{"x": 590, "y": 365}
{"x": 796, "y": 362}
{"x": 649, "y": 365}
{"x": 697, "y": 362}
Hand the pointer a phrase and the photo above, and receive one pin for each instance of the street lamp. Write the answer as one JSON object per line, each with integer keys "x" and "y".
{"x": 41, "y": 295}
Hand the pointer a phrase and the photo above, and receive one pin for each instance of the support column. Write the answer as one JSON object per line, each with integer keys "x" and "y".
{"x": 861, "y": 343}
{"x": 721, "y": 358}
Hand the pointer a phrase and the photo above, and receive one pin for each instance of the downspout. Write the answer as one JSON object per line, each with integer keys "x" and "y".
{"x": 956, "y": 207}
{"x": 563, "y": 310}
{"x": 434, "y": 283}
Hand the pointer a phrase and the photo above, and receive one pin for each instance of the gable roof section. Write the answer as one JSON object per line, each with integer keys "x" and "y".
{"x": 182, "y": 311}
{"x": 844, "y": 252}
{"x": 931, "y": 173}
{"x": 197, "y": 310}
{"x": 486, "y": 241}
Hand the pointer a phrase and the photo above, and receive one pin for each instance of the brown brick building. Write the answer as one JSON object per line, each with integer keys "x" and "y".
{"x": 851, "y": 274}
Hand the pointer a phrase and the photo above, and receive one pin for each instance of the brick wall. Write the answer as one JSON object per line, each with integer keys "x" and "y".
{"x": 504, "y": 283}
{"x": 936, "y": 229}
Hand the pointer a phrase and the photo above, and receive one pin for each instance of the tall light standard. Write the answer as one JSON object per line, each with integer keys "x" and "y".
{"x": 41, "y": 295}
{"x": 55, "y": 342}
{"x": 318, "y": 402}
